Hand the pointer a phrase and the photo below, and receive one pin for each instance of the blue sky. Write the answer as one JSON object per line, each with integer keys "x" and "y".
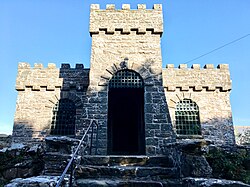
{"x": 46, "y": 31}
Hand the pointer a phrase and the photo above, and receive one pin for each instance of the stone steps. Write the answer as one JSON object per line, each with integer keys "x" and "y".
{"x": 126, "y": 172}
{"x": 159, "y": 161}
{"x": 55, "y": 163}
{"x": 126, "y": 183}
{"x": 132, "y": 170}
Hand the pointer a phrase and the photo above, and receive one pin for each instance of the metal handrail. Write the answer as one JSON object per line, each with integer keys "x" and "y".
{"x": 79, "y": 145}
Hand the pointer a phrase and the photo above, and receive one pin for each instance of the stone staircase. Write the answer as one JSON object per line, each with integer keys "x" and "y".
{"x": 127, "y": 171}
{"x": 110, "y": 170}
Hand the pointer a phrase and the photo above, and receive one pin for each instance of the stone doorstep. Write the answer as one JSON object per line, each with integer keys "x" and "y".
{"x": 119, "y": 160}
{"x": 126, "y": 172}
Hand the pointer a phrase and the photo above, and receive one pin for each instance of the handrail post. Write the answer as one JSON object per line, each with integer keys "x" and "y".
{"x": 71, "y": 173}
{"x": 71, "y": 162}
{"x": 91, "y": 139}
{"x": 96, "y": 138}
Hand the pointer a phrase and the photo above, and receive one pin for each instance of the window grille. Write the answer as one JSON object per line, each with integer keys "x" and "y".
{"x": 187, "y": 118}
{"x": 126, "y": 79}
{"x": 63, "y": 121}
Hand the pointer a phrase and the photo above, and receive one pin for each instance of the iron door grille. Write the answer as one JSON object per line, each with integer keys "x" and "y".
{"x": 126, "y": 79}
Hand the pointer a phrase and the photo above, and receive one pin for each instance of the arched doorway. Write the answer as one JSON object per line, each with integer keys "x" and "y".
{"x": 126, "y": 129}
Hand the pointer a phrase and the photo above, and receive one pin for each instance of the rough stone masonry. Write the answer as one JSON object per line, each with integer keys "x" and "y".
{"x": 124, "y": 40}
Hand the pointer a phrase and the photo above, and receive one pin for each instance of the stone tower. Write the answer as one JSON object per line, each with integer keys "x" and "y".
{"x": 129, "y": 41}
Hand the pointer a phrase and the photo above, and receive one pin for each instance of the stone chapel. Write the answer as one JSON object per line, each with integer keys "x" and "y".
{"x": 138, "y": 105}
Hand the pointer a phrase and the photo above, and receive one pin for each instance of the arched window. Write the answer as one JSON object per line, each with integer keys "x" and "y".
{"x": 63, "y": 121}
{"x": 187, "y": 118}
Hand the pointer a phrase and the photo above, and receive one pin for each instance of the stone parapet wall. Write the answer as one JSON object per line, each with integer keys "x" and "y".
{"x": 50, "y": 77}
{"x": 39, "y": 89}
{"x": 126, "y": 20}
{"x": 210, "y": 89}
{"x": 197, "y": 78}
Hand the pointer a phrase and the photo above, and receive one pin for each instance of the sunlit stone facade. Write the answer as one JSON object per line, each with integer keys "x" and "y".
{"x": 137, "y": 115}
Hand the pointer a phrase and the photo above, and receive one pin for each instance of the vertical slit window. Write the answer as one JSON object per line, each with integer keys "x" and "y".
{"x": 187, "y": 118}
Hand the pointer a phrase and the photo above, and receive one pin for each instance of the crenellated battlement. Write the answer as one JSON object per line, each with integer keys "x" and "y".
{"x": 125, "y": 7}
{"x": 198, "y": 66}
{"x": 50, "y": 78}
{"x": 197, "y": 78}
{"x": 25, "y": 65}
{"x": 126, "y": 20}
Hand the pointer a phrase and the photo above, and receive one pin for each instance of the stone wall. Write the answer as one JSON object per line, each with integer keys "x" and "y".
{"x": 5, "y": 140}
{"x": 19, "y": 161}
{"x": 39, "y": 89}
{"x": 242, "y": 135}
{"x": 210, "y": 88}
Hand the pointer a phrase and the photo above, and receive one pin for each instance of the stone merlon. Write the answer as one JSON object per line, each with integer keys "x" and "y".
{"x": 126, "y": 20}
